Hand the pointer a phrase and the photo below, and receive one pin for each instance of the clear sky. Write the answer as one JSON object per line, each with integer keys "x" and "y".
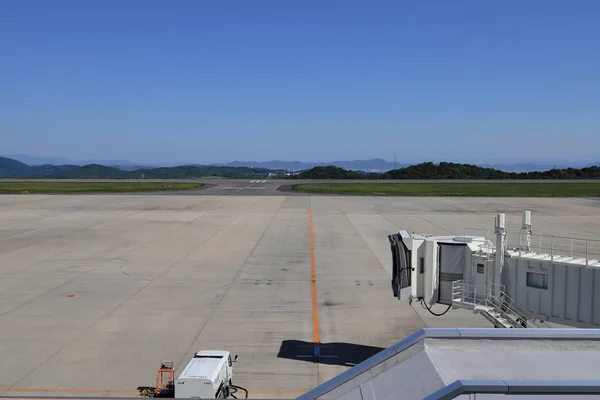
{"x": 312, "y": 80}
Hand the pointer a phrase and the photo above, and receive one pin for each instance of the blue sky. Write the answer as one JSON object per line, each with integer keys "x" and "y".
{"x": 215, "y": 81}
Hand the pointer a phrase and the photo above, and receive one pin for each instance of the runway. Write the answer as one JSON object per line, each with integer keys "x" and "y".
{"x": 97, "y": 290}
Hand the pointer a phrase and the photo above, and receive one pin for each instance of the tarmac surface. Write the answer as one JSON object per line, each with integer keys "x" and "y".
{"x": 97, "y": 290}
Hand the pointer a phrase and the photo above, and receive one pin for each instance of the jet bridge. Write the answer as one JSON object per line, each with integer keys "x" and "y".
{"x": 520, "y": 280}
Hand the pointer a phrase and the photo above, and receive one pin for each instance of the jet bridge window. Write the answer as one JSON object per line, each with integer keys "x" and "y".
{"x": 537, "y": 280}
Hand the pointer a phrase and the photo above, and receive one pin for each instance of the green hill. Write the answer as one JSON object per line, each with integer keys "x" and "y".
{"x": 10, "y": 168}
{"x": 197, "y": 172}
{"x": 53, "y": 170}
{"x": 329, "y": 172}
{"x": 450, "y": 171}
{"x": 96, "y": 171}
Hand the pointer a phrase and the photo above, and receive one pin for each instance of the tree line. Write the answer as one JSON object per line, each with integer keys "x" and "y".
{"x": 449, "y": 171}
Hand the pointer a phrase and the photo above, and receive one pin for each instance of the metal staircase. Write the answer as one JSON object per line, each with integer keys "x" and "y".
{"x": 494, "y": 304}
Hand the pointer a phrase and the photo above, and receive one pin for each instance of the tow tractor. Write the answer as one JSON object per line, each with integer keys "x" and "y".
{"x": 208, "y": 375}
{"x": 165, "y": 382}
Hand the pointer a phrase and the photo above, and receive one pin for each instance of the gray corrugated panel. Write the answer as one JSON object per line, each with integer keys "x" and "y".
{"x": 554, "y": 386}
{"x": 533, "y": 333}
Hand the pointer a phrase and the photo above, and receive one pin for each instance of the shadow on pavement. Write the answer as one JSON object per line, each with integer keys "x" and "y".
{"x": 337, "y": 353}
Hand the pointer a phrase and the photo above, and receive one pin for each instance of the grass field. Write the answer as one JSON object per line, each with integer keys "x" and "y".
{"x": 508, "y": 189}
{"x": 91, "y": 187}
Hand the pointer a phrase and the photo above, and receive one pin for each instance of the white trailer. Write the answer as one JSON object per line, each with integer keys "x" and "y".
{"x": 208, "y": 375}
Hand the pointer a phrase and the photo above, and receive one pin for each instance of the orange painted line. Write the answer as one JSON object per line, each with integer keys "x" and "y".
{"x": 313, "y": 277}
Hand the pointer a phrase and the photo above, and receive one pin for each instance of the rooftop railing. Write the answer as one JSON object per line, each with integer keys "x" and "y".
{"x": 554, "y": 245}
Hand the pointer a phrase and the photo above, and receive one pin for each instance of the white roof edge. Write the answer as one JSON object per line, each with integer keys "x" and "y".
{"x": 559, "y": 259}
{"x": 213, "y": 352}
{"x": 449, "y": 333}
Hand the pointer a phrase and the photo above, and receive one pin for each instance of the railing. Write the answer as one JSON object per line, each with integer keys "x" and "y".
{"x": 511, "y": 309}
{"x": 495, "y": 299}
{"x": 463, "y": 292}
{"x": 486, "y": 247}
{"x": 477, "y": 232}
{"x": 565, "y": 246}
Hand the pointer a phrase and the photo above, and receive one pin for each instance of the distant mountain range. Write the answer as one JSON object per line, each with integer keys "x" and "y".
{"x": 372, "y": 165}
{"x": 10, "y": 168}
{"x": 37, "y": 161}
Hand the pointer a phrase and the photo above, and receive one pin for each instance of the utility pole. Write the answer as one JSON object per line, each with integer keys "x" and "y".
{"x": 395, "y": 161}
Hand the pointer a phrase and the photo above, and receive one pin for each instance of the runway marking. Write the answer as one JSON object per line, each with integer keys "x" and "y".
{"x": 211, "y": 188}
{"x": 313, "y": 277}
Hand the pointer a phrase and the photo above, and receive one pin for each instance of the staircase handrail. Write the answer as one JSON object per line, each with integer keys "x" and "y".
{"x": 503, "y": 304}
{"x": 521, "y": 311}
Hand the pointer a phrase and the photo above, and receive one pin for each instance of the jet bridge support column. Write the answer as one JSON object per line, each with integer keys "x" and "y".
{"x": 526, "y": 227}
{"x": 496, "y": 278}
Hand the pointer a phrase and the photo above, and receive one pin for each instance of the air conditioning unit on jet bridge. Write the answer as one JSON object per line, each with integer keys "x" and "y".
{"x": 424, "y": 266}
